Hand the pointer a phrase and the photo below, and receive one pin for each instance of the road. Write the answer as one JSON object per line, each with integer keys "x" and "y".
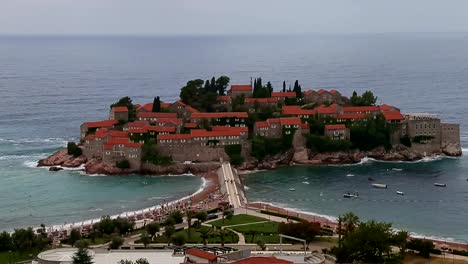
{"x": 231, "y": 186}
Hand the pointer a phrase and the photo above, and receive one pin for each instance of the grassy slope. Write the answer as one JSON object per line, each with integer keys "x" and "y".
{"x": 238, "y": 219}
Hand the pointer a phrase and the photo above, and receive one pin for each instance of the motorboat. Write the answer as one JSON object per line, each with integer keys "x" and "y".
{"x": 440, "y": 184}
{"x": 379, "y": 185}
{"x": 292, "y": 189}
{"x": 351, "y": 195}
{"x": 400, "y": 193}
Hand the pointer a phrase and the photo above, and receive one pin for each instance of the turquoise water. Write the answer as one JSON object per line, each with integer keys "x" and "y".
{"x": 50, "y": 85}
{"x": 424, "y": 209}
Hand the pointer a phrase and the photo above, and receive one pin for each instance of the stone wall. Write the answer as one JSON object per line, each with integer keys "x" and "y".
{"x": 193, "y": 152}
{"x": 450, "y": 134}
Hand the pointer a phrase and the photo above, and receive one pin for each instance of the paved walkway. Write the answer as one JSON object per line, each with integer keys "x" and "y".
{"x": 231, "y": 186}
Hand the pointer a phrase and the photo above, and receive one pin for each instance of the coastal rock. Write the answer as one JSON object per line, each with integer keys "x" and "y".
{"x": 61, "y": 158}
{"x": 453, "y": 150}
{"x": 55, "y": 169}
{"x": 95, "y": 166}
{"x": 301, "y": 156}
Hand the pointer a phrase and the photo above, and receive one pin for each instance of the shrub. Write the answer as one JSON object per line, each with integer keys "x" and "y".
{"x": 123, "y": 164}
{"x": 178, "y": 239}
{"x": 234, "y": 153}
{"x": 295, "y": 218}
{"x": 262, "y": 146}
{"x": 116, "y": 242}
{"x": 73, "y": 149}
{"x": 326, "y": 144}
{"x": 424, "y": 247}
{"x": 177, "y": 216}
{"x": 422, "y": 139}
{"x": 201, "y": 216}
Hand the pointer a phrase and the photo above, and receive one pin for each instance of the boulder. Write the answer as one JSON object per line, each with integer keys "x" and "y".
{"x": 54, "y": 168}
{"x": 453, "y": 150}
{"x": 61, "y": 158}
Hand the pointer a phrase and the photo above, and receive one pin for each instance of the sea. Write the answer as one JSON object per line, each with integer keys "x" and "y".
{"x": 49, "y": 85}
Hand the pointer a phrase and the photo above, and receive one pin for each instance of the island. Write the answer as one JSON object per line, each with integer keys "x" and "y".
{"x": 253, "y": 127}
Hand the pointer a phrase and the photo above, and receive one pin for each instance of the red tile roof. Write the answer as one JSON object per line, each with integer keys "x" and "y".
{"x": 149, "y": 107}
{"x": 219, "y": 133}
{"x": 119, "y": 109}
{"x": 362, "y": 109}
{"x": 323, "y": 110}
{"x": 201, "y": 254}
{"x": 296, "y": 110}
{"x": 174, "y": 136}
{"x": 241, "y": 88}
{"x": 138, "y": 130}
{"x": 223, "y": 98}
{"x": 228, "y": 128}
{"x": 261, "y": 100}
{"x": 284, "y": 94}
{"x": 220, "y": 115}
{"x": 103, "y": 123}
{"x": 186, "y": 106}
{"x": 262, "y": 124}
{"x": 175, "y": 121}
{"x": 393, "y": 116}
{"x": 335, "y": 127}
{"x": 115, "y": 133}
{"x": 305, "y": 126}
{"x": 386, "y": 107}
{"x": 309, "y": 92}
{"x": 156, "y": 115}
{"x": 351, "y": 116}
{"x": 162, "y": 129}
{"x": 140, "y": 123}
{"x": 290, "y": 121}
{"x": 322, "y": 91}
{"x": 262, "y": 260}
{"x": 90, "y": 137}
{"x": 190, "y": 125}
{"x": 114, "y": 141}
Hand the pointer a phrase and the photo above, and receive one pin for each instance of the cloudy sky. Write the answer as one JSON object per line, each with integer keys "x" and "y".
{"x": 213, "y": 17}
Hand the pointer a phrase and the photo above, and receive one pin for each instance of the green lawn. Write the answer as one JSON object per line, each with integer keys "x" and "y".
{"x": 196, "y": 239}
{"x": 238, "y": 219}
{"x": 6, "y": 257}
{"x": 265, "y": 228}
{"x": 268, "y": 239}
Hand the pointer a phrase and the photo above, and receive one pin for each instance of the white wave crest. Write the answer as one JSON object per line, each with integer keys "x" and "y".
{"x": 57, "y": 141}
{"x": 464, "y": 150}
{"x": 246, "y": 187}
{"x": 349, "y": 175}
{"x": 35, "y": 156}
{"x": 305, "y": 182}
{"x": 96, "y": 210}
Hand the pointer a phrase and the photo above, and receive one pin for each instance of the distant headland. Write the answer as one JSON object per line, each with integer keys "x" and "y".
{"x": 253, "y": 127}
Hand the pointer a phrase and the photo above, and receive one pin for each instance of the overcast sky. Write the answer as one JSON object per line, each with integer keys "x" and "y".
{"x": 178, "y": 17}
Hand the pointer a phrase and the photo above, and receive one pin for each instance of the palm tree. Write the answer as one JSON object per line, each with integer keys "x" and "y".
{"x": 222, "y": 235}
{"x": 204, "y": 234}
{"x": 189, "y": 214}
{"x": 350, "y": 221}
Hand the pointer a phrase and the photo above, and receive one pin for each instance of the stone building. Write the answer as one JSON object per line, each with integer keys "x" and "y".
{"x": 323, "y": 96}
{"x": 281, "y": 96}
{"x": 153, "y": 117}
{"x": 119, "y": 113}
{"x": 276, "y": 127}
{"x": 237, "y": 90}
{"x": 91, "y": 127}
{"x": 220, "y": 118}
{"x": 297, "y": 111}
{"x": 253, "y": 104}
{"x": 183, "y": 110}
{"x": 119, "y": 149}
{"x": 337, "y": 132}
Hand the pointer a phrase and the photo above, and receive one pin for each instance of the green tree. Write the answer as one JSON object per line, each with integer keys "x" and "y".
{"x": 82, "y": 256}
{"x": 366, "y": 99}
{"x": 75, "y": 235}
{"x": 268, "y": 89}
{"x": 156, "y": 105}
{"x": 82, "y": 243}
{"x": 350, "y": 222}
{"x": 116, "y": 242}
{"x": 141, "y": 261}
{"x": 400, "y": 239}
{"x": 178, "y": 239}
{"x": 297, "y": 89}
{"x": 5, "y": 241}
{"x": 73, "y": 149}
{"x": 145, "y": 239}
{"x": 152, "y": 229}
{"x": 169, "y": 230}
{"x": 221, "y": 84}
{"x": 177, "y": 216}
{"x": 204, "y": 234}
{"x": 261, "y": 244}
{"x": 127, "y": 101}
{"x": 284, "y": 86}
{"x": 222, "y": 236}
{"x": 201, "y": 216}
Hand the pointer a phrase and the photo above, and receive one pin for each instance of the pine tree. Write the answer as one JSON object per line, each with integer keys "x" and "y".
{"x": 284, "y": 86}
{"x": 156, "y": 104}
{"x": 82, "y": 257}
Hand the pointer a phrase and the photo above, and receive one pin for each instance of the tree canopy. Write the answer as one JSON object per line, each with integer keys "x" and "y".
{"x": 366, "y": 99}
{"x": 202, "y": 94}
{"x": 156, "y": 104}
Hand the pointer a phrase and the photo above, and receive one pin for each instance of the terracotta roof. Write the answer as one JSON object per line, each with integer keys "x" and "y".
{"x": 115, "y": 133}
{"x": 108, "y": 147}
{"x": 138, "y": 130}
{"x": 261, "y": 100}
{"x": 133, "y": 145}
{"x": 296, "y": 110}
{"x": 351, "y": 116}
{"x": 149, "y": 106}
{"x": 243, "y": 88}
{"x": 229, "y": 128}
{"x": 262, "y": 124}
{"x": 393, "y": 115}
{"x": 156, "y": 115}
{"x": 201, "y": 254}
{"x": 386, "y": 107}
{"x": 101, "y": 132}
{"x": 322, "y": 91}
{"x": 103, "y": 123}
{"x": 322, "y": 109}
{"x": 113, "y": 141}
{"x": 165, "y": 105}
{"x": 119, "y": 109}
{"x": 262, "y": 260}
{"x": 139, "y": 123}
{"x": 284, "y": 94}
{"x": 174, "y": 136}
{"x": 274, "y": 120}
{"x": 161, "y": 129}
{"x": 220, "y": 115}
{"x": 224, "y": 98}
{"x": 356, "y": 109}
{"x": 333, "y": 91}
{"x": 305, "y": 126}
{"x": 190, "y": 125}
{"x": 290, "y": 121}
{"x": 175, "y": 121}
{"x": 90, "y": 137}
{"x": 186, "y": 106}
{"x": 309, "y": 92}
{"x": 335, "y": 127}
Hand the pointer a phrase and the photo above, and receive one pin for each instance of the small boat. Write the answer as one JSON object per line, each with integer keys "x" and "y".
{"x": 379, "y": 185}
{"x": 292, "y": 189}
{"x": 440, "y": 184}
{"x": 370, "y": 179}
{"x": 349, "y": 195}
{"x": 400, "y": 193}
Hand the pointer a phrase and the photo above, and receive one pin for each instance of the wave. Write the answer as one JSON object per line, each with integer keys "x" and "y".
{"x": 246, "y": 187}
{"x": 396, "y": 169}
{"x": 57, "y": 141}
{"x": 349, "y": 175}
{"x": 96, "y": 210}
{"x": 13, "y": 157}
{"x": 157, "y": 198}
{"x": 304, "y": 182}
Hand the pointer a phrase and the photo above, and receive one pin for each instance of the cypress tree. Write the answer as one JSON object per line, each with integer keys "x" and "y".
{"x": 213, "y": 87}
{"x": 207, "y": 85}
{"x": 156, "y": 104}
{"x": 284, "y": 86}
{"x": 269, "y": 89}
{"x": 255, "y": 90}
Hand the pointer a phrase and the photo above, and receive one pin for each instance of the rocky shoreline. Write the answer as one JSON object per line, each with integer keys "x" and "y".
{"x": 60, "y": 159}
